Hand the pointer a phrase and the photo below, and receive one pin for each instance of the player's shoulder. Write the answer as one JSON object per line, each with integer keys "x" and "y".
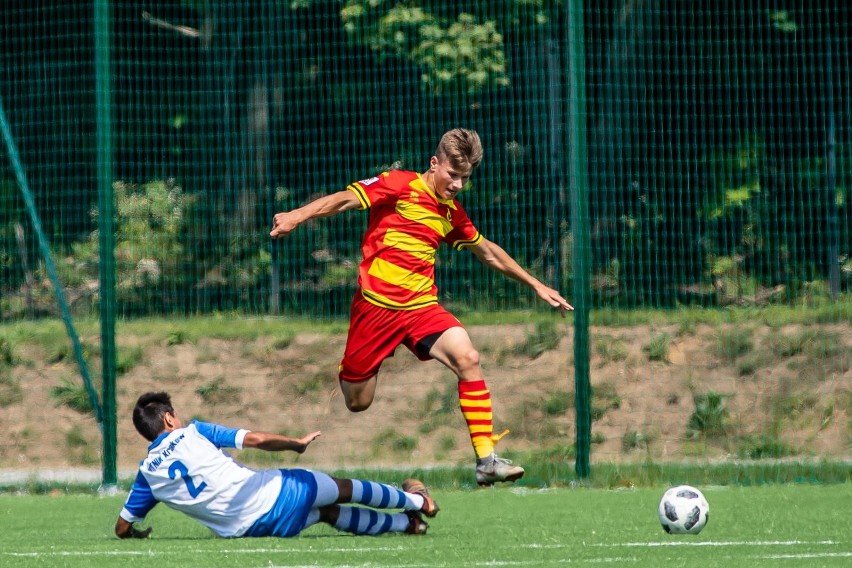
{"x": 398, "y": 178}
{"x": 204, "y": 428}
{"x": 386, "y": 184}
{"x": 200, "y": 429}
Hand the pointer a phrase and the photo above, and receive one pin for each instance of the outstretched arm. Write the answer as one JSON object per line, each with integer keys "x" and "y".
{"x": 125, "y": 529}
{"x": 277, "y": 443}
{"x": 493, "y": 256}
{"x": 286, "y": 222}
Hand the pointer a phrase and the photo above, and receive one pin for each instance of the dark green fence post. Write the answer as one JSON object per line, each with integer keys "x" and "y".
{"x": 106, "y": 238}
{"x": 580, "y": 230}
{"x": 833, "y": 228}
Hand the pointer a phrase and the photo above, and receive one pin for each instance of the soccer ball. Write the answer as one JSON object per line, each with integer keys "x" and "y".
{"x": 683, "y": 510}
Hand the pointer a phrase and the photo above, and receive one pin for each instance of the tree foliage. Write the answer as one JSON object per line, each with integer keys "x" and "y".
{"x": 718, "y": 141}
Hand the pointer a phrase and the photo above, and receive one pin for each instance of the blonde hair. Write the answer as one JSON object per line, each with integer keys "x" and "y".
{"x": 461, "y": 148}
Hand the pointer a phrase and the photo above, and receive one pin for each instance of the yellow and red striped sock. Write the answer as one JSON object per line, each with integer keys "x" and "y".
{"x": 475, "y": 403}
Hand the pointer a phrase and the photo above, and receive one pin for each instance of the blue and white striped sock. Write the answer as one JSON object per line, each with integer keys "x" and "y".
{"x": 384, "y": 496}
{"x": 361, "y": 521}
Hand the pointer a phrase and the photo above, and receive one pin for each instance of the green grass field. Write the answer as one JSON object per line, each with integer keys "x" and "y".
{"x": 771, "y": 525}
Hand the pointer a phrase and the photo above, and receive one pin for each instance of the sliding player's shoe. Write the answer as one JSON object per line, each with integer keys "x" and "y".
{"x": 430, "y": 508}
{"x": 491, "y": 469}
{"x": 416, "y": 524}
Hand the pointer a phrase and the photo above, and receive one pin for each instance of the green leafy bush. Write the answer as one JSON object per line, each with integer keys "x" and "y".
{"x": 461, "y": 54}
{"x": 392, "y": 440}
{"x": 658, "y": 348}
{"x": 558, "y": 403}
{"x": 543, "y": 338}
{"x": 732, "y": 343}
{"x": 10, "y": 389}
{"x": 149, "y": 220}
{"x": 128, "y": 358}
{"x": 73, "y": 396}
{"x": 710, "y": 415}
{"x": 604, "y": 399}
{"x": 764, "y": 447}
{"x": 634, "y": 440}
{"x": 217, "y": 392}
{"x": 7, "y": 353}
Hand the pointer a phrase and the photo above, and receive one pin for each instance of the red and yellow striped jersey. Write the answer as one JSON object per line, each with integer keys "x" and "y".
{"x": 407, "y": 223}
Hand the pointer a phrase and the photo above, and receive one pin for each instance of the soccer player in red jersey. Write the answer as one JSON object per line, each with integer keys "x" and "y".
{"x": 397, "y": 301}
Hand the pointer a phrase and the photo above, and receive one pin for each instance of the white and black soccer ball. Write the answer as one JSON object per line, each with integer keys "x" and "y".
{"x": 683, "y": 510}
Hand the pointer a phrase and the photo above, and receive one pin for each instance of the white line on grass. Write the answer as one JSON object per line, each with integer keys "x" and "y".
{"x": 484, "y": 563}
{"x": 198, "y": 550}
{"x": 285, "y": 549}
{"x": 807, "y": 555}
{"x": 79, "y": 553}
{"x": 721, "y": 543}
{"x": 312, "y": 548}
{"x": 688, "y": 543}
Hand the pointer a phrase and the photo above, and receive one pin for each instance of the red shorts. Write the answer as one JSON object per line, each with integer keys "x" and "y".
{"x": 375, "y": 333}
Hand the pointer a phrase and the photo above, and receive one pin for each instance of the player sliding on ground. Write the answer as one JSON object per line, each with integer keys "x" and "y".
{"x": 187, "y": 470}
{"x": 397, "y": 300}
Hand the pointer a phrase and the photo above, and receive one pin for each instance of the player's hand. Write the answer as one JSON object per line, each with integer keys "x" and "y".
{"x": 305, "y": 440}
{"x": 125, "y": 529}
{"x": 555, "y": 299}
{"x": 283, "y": 224}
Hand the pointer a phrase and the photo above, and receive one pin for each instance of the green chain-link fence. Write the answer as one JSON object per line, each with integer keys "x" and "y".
{"x": 717, "y": 139}
{"x": 717, "y": 134}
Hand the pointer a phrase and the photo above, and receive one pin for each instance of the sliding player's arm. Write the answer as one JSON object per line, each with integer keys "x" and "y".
{"x": 139, "y": 503}
{"x": 278, "y": 443}
{"x": 493, "y": 256}
{"x": 286, "y": 222}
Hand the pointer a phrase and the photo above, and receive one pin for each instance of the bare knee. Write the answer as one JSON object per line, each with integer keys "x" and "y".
{"x": 357, "y": 405}
{"x": 468, "y": 360}
{"x": 456, "y": 352}
{"x": 358, "y": 396}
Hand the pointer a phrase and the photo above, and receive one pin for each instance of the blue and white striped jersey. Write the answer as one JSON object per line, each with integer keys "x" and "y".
{"x": 187, "y": 470}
